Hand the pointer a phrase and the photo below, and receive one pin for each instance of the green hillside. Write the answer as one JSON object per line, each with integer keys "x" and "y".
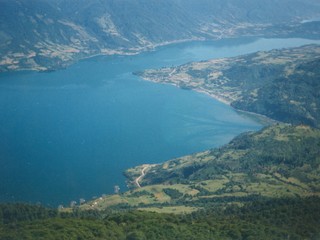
{"x": 281, "y": 84}
{"x": 262, "y": 185}
{"x": 276, "y": 162}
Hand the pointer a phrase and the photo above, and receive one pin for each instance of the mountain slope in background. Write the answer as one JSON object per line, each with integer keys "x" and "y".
{"x": 44, "y": 35}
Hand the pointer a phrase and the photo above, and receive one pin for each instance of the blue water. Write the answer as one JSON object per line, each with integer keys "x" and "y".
{"x": 70, "y": 134}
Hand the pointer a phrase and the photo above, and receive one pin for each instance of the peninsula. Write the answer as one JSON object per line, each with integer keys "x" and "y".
{"x": 280, "y": 84}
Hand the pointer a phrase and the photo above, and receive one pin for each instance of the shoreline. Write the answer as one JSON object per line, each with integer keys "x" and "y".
{"x": 251, "y": 31}
{"x": 260, "y": 118}
{"x": 139, "y": 50}
{"x": 106, "y": 52}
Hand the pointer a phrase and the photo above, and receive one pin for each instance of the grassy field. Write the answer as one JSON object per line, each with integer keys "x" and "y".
{"x": 276, "y": 162}
{"x": 173, "y": 210}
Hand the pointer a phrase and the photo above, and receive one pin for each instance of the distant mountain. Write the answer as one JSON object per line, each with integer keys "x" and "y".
{"x": 48, "y": 34}
{"x": 281, "y": 84}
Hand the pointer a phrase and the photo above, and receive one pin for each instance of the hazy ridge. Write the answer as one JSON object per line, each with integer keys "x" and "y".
{"x": 44, "y": 35}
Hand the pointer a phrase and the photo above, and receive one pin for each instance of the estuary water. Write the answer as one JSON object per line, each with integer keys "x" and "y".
{"x": 70, "y": 134}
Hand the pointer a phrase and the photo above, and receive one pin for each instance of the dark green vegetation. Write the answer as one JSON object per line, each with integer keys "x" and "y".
{"x": 262, "y": 185}
{"x": 44, "y": 35}
{"x": 281, "y": 84}
{"x": 284, "y": 153}
{"x": 263, "y": 219}
{"x": 276, "y": 162}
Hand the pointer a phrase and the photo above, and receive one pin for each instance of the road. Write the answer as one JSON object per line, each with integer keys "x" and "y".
{"x": 141, "y": 176}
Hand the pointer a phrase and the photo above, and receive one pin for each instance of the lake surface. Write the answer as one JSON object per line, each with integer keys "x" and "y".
{"x": 70, "y": 134}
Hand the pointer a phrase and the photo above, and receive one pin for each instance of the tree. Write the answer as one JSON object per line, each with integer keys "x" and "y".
{"x": 136, "y": 235}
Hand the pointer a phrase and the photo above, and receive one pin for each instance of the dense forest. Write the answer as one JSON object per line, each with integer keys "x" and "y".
{"x": 262, "y": 219}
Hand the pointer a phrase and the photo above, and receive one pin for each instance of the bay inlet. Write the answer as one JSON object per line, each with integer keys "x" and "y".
{"x": 70, "y": 134}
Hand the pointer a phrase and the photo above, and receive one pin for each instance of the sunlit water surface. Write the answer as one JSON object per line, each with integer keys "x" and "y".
{"x": 70, "y": 134}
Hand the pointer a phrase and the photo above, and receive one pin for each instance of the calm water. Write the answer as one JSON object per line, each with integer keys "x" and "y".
{"x": 70, "y": 134}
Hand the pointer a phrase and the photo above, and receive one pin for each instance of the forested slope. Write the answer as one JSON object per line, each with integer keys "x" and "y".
{"x": 270, "y": 219}
{"x": 282, "y": 84}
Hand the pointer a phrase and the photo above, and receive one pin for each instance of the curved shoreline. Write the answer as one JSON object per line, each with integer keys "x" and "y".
{"x": 105, "y": 52}
{"x": 262, "y": 119}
